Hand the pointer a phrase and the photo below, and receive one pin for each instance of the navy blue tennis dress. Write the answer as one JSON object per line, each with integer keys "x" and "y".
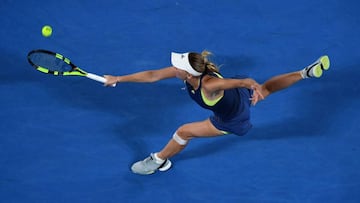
{"x": 231, "y": 111}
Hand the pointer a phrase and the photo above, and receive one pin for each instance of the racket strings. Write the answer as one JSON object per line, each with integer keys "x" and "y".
{"x": 50, "y": 62}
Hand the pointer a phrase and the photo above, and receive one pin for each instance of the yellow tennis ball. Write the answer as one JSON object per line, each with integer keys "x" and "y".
{"x": 46, "y": 31}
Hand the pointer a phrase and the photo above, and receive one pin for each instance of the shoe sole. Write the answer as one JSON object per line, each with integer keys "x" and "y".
{"x": 323, "y": 63}
{"x": 142, "y": 173}
{"x": 317, "y": 70}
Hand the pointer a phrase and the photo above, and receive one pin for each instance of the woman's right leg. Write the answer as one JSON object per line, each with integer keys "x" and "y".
{"x": 185, "y": 133}
{"x": 159, "y": 161}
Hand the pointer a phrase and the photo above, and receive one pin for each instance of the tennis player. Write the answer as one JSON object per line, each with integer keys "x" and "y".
{"x": 229, "y": 99}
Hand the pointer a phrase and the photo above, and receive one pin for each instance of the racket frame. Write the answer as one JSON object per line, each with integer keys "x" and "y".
{"x": 75, "y": 70}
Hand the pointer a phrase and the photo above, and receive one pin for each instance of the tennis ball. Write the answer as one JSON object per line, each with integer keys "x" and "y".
{"x": 46, "y": 31}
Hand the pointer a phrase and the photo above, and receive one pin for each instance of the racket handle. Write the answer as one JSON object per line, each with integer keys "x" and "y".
{"x": 97, "y": 78}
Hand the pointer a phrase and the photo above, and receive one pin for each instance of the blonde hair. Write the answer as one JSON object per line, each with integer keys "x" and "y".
{"x": 201, "y": 62}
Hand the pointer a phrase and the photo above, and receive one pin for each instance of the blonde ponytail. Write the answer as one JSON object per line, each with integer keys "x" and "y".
{"x": 201, "y": 62}
{"x": 209, "y": 66}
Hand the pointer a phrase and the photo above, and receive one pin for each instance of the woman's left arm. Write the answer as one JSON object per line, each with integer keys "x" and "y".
{"x": 213, "y": 84}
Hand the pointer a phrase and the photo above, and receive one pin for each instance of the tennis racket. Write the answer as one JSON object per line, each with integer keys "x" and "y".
{"x": 56, "y": 64}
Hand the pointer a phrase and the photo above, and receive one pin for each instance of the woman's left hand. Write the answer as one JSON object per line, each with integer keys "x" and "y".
{"x": 257, "y": 95}
{"x": 256, "y": 87}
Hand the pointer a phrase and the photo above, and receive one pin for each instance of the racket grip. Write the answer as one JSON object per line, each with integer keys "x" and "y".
{"x": 97, "y": 78}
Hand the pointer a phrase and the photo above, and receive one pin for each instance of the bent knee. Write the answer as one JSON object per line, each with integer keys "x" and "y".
{"x": 184, "y": 132}
{"x": 182, "y": 135}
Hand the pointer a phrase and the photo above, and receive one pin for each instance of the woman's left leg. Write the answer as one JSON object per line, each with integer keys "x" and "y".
{"x": 283, "y": 81}
{"x": 280, "y": 82}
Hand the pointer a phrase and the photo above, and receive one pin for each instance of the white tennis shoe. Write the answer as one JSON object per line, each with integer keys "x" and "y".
{"x": 316, "y": 69}
{"x": 149, "y": 166}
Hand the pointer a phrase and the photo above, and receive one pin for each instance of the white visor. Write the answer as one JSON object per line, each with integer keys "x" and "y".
{"x": 181, "y": 61}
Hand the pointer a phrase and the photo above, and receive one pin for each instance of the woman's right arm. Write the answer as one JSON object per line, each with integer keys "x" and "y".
{"x": 143, "y": 76}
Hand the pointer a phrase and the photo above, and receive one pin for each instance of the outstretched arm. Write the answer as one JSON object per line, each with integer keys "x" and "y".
{"x": 143, "y": 76}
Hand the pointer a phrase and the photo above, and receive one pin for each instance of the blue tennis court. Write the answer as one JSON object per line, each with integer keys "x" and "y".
{"x": 69, "y": 139}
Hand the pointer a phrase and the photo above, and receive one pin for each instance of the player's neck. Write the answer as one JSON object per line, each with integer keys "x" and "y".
{"x": 194, "y": 82}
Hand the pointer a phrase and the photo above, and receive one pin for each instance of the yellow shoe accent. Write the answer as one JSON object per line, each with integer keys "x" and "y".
{"x": 317, "y": 70}
{"x": 325, "y": 62}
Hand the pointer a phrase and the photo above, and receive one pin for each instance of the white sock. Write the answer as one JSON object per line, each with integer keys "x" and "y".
{"x": 303, "y": 73}
{"x": 157, "y": 159}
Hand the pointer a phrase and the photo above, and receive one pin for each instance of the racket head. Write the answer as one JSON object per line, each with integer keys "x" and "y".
{"x": 53, "y": 63}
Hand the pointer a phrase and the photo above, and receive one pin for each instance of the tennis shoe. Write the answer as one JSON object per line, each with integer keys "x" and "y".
{"x": 149, "y": 166}
{"x": 316, "y": 69}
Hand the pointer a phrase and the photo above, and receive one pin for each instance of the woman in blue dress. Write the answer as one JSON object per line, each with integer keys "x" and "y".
{"x": 228, "y": 98}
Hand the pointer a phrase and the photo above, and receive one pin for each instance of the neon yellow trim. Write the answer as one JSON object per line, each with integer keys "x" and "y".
{"x": 67, "y": 60}
{"x": 208, "y": 101}
{"x": 42, "y": 69}
{"x": 224, "y": 132}
{"x": 74, "y": 73}
{"x": 59, "y": 56}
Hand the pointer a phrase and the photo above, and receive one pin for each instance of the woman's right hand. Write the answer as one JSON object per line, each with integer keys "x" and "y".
{"x": 111, "y": 80}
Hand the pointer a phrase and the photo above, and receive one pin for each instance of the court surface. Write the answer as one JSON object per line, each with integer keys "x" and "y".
{"x": 69, "y": 139}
